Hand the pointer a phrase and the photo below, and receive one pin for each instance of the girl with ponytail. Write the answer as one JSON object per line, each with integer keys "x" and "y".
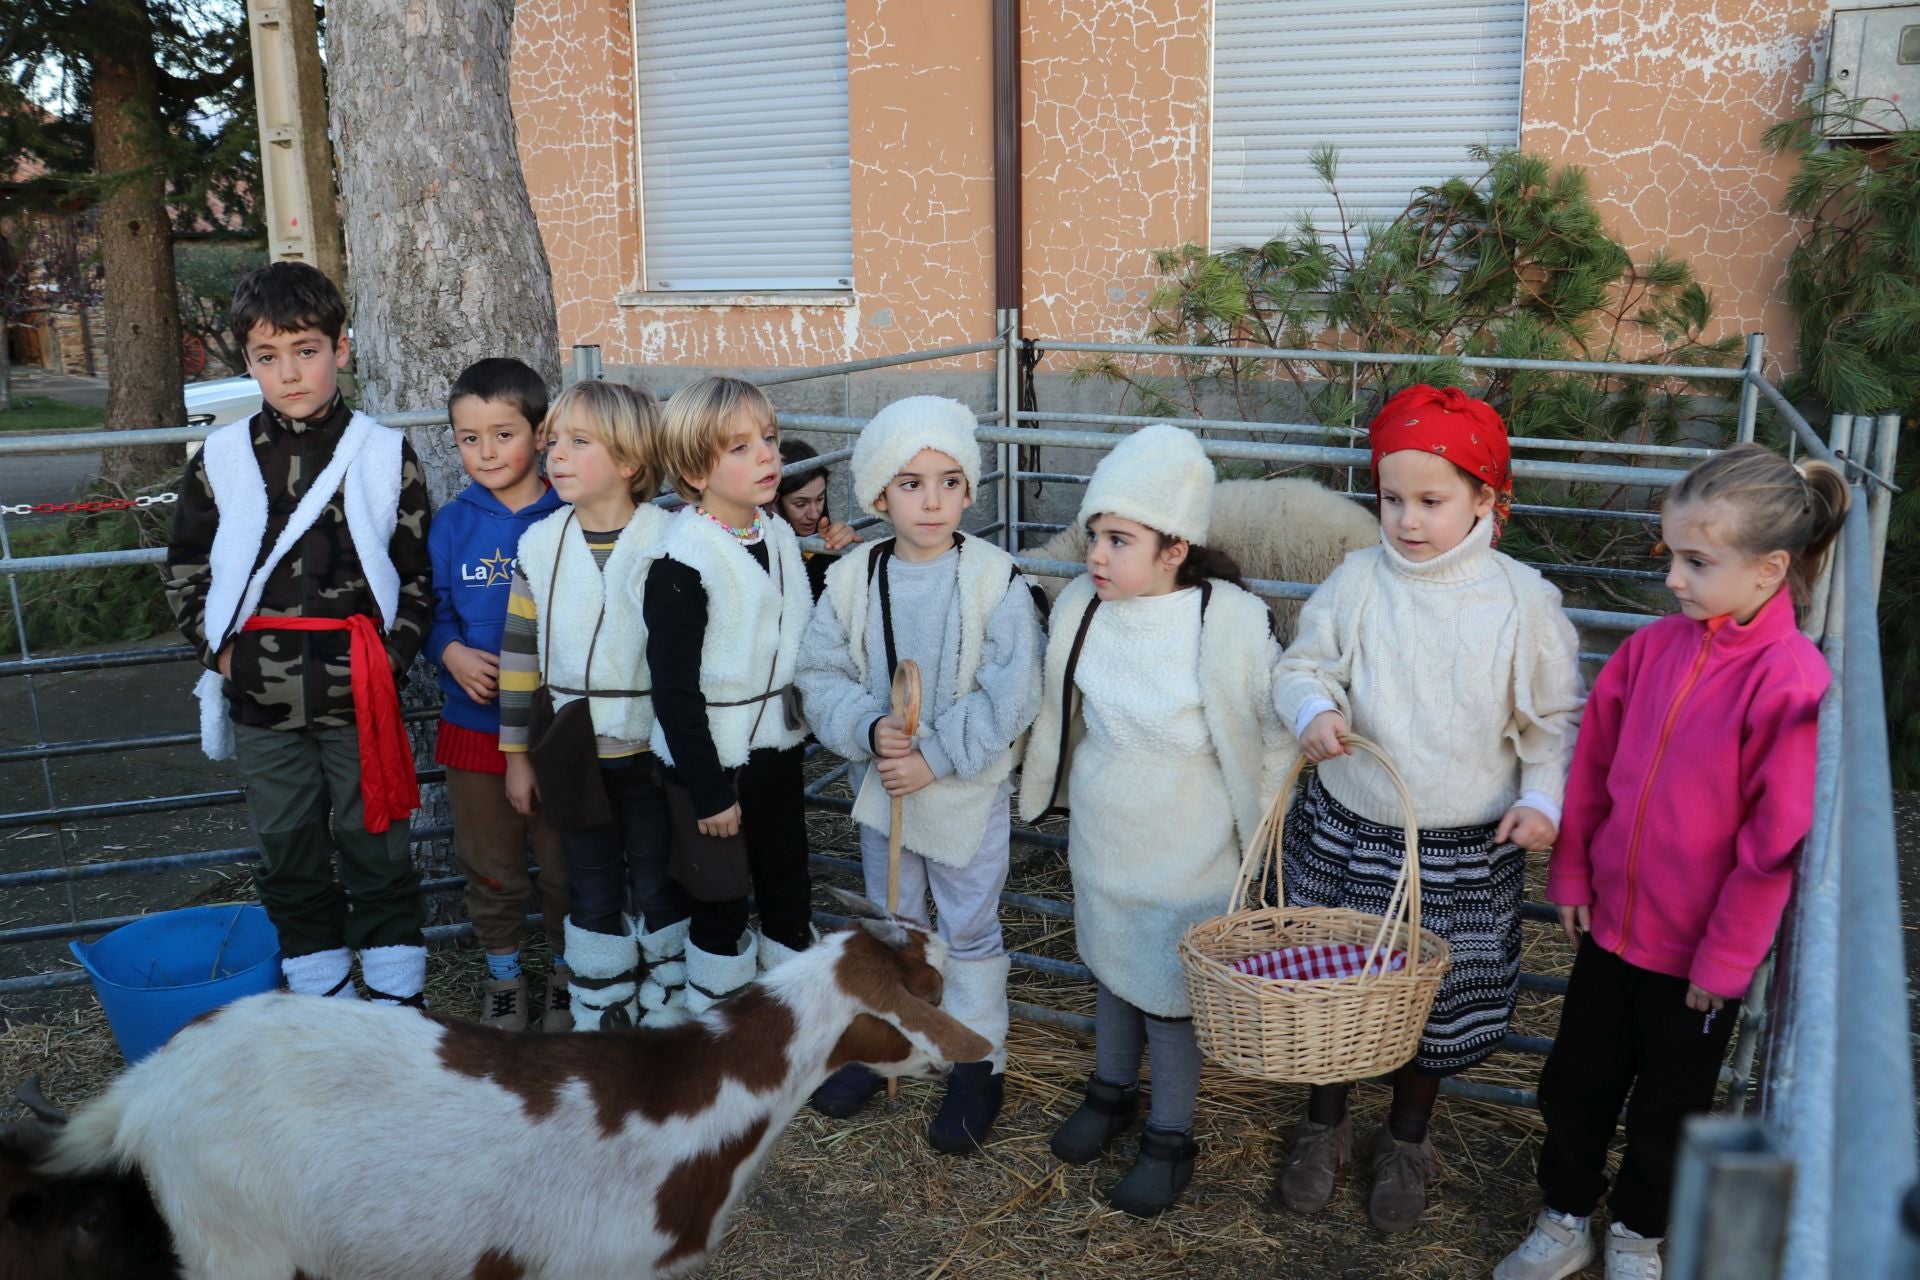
{"x": 1691, "y": 790}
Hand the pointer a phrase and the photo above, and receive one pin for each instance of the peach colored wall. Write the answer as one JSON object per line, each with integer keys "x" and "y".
{"x": 1663, "y": 102}
{"x": 1115, "y": 153}
{"x": 573, "y": 109}
{"x": 919, "y": 77}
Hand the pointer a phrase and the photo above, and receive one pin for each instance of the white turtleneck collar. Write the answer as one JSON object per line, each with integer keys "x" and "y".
{"x": 1464, "y": 562}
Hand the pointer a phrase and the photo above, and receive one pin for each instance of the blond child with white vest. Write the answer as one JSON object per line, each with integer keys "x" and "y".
{"x": 726, "y": 600}
{"x": 574, "y": 626}
{"x": 1460, "y": 663}
{"x": 957, "y": 607}
{"x": 1158, "y": 731}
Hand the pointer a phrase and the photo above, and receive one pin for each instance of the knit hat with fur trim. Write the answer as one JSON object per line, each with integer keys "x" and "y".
{"x": 903, "y": 429}
{"x": 1158, "y": 476}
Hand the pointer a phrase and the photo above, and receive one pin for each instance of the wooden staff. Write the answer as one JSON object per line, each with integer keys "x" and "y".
{"x": 906, "y": 705}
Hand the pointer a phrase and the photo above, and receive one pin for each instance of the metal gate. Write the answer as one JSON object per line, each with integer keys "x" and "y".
{"x": 1827, "y": 1155}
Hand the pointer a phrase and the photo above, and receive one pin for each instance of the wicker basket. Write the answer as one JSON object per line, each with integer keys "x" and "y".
{"x": 1314, "y": 1031}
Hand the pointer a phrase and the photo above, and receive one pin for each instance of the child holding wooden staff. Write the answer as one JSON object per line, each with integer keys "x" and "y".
{"x": 957, "y": 608}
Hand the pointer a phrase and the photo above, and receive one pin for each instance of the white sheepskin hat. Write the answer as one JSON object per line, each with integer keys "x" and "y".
{"x": 903, "y": 429}
{"x": 1158, "y": 476}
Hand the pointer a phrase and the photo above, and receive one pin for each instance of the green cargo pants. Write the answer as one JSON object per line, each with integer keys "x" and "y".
{"x": 303, "y": 797}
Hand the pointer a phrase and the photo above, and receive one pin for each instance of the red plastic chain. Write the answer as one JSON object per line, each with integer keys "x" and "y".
{"x": 97, "y": 504}
{"x": 91, "y": 505}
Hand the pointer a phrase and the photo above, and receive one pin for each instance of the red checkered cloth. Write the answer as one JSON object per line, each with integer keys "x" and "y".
{"x": 1318, "y": 960}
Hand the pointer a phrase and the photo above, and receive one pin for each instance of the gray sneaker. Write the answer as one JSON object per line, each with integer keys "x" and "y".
{"x": 1560, "y": 1245}
{"x": 503, "y": 1004}
{"x": 1319, "y": 1152}
{"x": 1631, "y": 1256}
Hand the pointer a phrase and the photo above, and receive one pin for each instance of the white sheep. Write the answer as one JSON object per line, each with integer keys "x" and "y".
{"x": 1287, "y": 530}
{"x": 291, "y": 1135}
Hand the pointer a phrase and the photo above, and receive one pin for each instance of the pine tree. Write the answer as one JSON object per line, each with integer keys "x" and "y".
{"x": 145, "y": 108}
{"x": 1853, "y": 281}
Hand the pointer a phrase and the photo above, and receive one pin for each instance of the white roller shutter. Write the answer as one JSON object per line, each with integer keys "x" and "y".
{"x": 1401, "y": 89}
{"x": 743, "y": 144}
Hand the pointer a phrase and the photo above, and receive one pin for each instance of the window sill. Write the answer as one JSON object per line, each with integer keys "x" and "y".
{"x": 693, "y": 298}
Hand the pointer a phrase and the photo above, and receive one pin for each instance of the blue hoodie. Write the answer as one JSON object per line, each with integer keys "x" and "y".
{"x": 473, "y": 542}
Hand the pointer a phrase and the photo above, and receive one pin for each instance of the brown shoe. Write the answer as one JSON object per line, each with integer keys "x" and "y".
{"x": 1319, "y": 1152}
{"x": 559, "y": 1014}
{"x": 1402, "y": 1172}
{"x": 503, "y": 1004}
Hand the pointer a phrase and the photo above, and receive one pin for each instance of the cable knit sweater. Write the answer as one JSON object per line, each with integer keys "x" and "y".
{"x": 1464, "y": 668}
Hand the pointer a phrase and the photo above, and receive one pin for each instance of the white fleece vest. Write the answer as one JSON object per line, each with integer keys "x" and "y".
{"x": 755, "y": 619}
{"x": 364, "y": 470}
{"x": 566, "y": 627}
{"x": 945, "y": 821}
{"x": 1237, "y": 655}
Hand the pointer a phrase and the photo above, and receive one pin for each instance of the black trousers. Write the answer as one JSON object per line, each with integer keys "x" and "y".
{"x": 773, "y": 821}
{"x": 1626, "y": 1036}
{"x": 620, "y": 866}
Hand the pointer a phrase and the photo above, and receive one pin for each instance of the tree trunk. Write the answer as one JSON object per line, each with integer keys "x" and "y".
{"x": 444, "y": 260}
{"x": 136, "y": 241}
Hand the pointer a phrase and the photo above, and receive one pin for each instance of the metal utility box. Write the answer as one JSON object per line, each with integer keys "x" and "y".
{"x": 1875, "y": 55}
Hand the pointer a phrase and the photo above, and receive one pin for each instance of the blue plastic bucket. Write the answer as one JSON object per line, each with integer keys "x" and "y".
{"x": 158, "y": 974}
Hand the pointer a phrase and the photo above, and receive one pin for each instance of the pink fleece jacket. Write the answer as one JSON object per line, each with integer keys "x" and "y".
{"x": 1691, "y": 789}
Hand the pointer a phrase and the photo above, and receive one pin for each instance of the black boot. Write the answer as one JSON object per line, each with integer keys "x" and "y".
{"x": 1088, "y": 1132}
{"x": 846, "y": 1091}
{"x": 1160, "y": 1173}
{"x": 974, "y": 1094}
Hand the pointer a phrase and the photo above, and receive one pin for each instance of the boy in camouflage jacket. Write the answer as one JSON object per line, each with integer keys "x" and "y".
{"x": 298, "y": 555}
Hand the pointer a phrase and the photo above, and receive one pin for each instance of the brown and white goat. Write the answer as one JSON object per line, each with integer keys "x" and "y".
{"x": 291, "y": 1135}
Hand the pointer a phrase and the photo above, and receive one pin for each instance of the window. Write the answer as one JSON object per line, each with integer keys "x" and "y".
{"x": 1402, "y": 90}
{"x": 743, "y": 144}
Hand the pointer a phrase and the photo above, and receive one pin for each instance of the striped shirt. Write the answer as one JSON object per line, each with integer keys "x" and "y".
{"x": 520, "y": 659}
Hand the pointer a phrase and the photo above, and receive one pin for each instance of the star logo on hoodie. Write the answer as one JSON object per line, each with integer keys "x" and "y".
{"x": 499, "y": 567}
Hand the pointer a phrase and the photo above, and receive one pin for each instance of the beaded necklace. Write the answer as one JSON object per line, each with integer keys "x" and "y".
{"x": 746, "y": 536}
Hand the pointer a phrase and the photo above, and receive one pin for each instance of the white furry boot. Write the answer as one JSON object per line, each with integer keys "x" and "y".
{"x": 711, "y": 978}
{"x": 603, "y": 978}
{"x": 663, "y": 996}
{"x": 976, "y": 996}
{"x": 395, "y": 975}
{"x": 321, "y": 973}
{"x": 774, "y": 954}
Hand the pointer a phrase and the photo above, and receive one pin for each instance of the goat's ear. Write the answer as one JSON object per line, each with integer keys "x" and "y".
{"x": 890, "y": 931}
{"x": 951, "y": 1038}
{"x": 858, "y": 906}
{"x": 873, "y": 918}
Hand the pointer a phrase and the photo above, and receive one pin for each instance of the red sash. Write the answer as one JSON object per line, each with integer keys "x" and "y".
{"x": 389, "y": 791}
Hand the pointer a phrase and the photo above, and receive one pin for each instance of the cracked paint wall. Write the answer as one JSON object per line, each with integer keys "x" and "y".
{"x": 1663, "y": 101}
{"x": 1114, "y": 150}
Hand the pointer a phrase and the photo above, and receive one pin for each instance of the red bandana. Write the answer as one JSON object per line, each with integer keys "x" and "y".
{"x": 1447, "y": 421}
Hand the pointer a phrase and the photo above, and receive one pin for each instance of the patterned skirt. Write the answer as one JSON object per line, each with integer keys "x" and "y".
{"x": 1470, "y": 892}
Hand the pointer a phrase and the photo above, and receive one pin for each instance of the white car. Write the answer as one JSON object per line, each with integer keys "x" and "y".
{"x": 225, "y": 398}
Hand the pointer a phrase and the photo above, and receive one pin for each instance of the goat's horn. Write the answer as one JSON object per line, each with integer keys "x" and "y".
{"x": 859, "y": 906}
{"x": 28, "y": 1094}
